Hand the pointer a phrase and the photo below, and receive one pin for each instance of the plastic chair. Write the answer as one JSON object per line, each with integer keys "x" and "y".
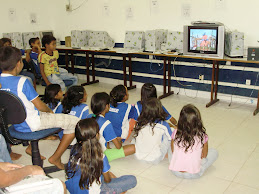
{"x": 12, "y": 111}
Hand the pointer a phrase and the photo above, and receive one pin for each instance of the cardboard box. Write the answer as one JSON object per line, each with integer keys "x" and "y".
{"x": 27, "y": 36}
{"x": 134, "y": 40}
{"x": 100, "y": 39}
{"x": 174, "y": 41}
{"x": 154, "y": 39}
{"x": 16, "y": 39}
{"x": 234, "y": 44}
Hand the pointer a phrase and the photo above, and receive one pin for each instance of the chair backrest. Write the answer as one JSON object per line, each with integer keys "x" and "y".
{"x": 12, "y": 111}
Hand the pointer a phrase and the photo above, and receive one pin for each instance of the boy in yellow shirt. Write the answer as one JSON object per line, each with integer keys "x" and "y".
{"x": 50, "y": 71}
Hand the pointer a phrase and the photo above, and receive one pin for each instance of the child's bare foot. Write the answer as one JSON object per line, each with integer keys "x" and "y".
{"x": 52, "y": 137}
{"x": 28, "y": 151}
{"x": 57, "y": 163}
{"x": 15, "y": 156}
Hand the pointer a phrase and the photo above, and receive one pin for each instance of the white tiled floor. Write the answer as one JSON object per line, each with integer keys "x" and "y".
{"x": 233, "y": 132}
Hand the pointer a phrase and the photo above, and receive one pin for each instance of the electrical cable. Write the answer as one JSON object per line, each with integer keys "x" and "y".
{"x": 79, "y": 5}
{"x": 250, "y": 94}
{"x": 155, "y": 71}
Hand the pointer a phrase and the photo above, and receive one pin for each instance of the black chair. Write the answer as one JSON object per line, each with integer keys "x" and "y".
{"x": 12, "y": 111}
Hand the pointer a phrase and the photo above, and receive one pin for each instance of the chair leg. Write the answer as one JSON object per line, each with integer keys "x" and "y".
{"x": 36, "y": 159}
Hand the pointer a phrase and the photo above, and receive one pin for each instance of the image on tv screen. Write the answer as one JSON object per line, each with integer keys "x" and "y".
{"x": 203, "y": 40}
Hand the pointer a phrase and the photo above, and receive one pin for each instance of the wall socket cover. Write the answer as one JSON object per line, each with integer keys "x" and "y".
{"x": 248, "y": 82}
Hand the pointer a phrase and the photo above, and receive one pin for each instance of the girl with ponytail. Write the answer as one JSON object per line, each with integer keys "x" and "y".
{"x": 88, "y": 168}
{"x": 100, "y": 105}
{"x": 121, "y": 114}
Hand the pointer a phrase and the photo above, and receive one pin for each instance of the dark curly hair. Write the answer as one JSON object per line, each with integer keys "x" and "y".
{"x": 72, "y": 98}
{"x": 49, "y": 97}
{"x": 99, "y": 102}
{"x": 148, "y": 90}
{"x": 117, "y": 94}
{"x": 190, "y": 126}
{"x": 152, "y": 112}
{"x": 86, "y": 154}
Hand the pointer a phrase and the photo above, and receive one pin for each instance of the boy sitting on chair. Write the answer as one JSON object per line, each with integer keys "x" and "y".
{"x": 38, "y": 115}
{"x": 50, "y": 71}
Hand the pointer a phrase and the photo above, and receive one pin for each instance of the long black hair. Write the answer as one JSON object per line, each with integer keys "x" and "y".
{"x": 87, "y": 154}
{"x": 117, "y": 94}
{"x": 73, "y": 98}
{"x": 152, "y": 112}
{"x": 189, "y": 126}
{"x": 99, "y": 102}
{"x": 49, "y": 97}
{"x": 148, "y": 90}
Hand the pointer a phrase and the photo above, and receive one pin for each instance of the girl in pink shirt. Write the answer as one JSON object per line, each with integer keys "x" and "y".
{"x": 190, "y": 157}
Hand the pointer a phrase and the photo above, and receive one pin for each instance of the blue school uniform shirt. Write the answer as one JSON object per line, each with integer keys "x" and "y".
{"x": 119, "y": 117}
{"x": 22, "y": 88}
{"x": 73, "y": 183}
{"x": 81, "y": 111}
{"x": 34, "y": 58}
{"x": 138, "y": 107}
{"x": 106, "y": 132}
{"x": 53, "y": 107}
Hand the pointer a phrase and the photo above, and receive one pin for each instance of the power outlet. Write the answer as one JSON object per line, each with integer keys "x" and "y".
{"x": 150, "y": 57}
{"x": 201, "y": 77}
{"x": 248, "y": 82}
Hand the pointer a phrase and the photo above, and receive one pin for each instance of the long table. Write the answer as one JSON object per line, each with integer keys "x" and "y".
{"x": 166, "y": 69}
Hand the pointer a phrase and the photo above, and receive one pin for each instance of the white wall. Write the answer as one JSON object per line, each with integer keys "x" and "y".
{"x": 235, "y": 14}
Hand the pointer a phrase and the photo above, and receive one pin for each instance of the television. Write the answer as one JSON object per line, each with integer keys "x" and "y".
{"x": 204, "y": 40}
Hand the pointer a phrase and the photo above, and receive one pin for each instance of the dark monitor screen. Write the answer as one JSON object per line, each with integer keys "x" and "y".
{"x": 203, "y": 39}
{"x": 47, "y": 33}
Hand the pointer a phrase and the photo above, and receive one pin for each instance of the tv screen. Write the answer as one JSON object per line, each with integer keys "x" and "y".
{"x": 203, "y": 39}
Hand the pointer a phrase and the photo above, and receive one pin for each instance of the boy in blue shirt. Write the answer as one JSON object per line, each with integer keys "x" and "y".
{"x": 38, "y": 115}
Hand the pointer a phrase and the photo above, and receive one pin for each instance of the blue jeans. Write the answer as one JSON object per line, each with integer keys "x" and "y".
{"x": 119, "y": 185}
{"x": 28, "y": 75}
{"x": 4, "y": 154}
{"x": 206, "y": 163}
{"x": 64, "y": 75}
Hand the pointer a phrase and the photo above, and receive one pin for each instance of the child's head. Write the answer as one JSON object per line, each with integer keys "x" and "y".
{"x": 75, "y": 96}
{"x": 6, "y": 42}
{"x": 86, "y": 154}
{"x": 53, "y": 94}
{"x": 1, "y": 43}
{"x": 49, "y": 42}
{"x": 119, "y": 94}
{"x": 189, "y": 126}
{"x": 148, "y": 90}
{"x": 152, "y": 112}
{"x": 100, "y": 103}
{"x": 34, "y": 42}
{"x": 11, "y": 59}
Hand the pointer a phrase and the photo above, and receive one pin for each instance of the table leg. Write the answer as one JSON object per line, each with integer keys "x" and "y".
{"x": 125, "y": 70}
{"x": 167, "y": 80}
{"x": 88, "y": 82}
{"x": 66, "y": 60}
{"x": 72, "y": 62}
{"x": 213, "y": 94}
{"x": 257, "y": 108}
{"x": 130, "y": 75}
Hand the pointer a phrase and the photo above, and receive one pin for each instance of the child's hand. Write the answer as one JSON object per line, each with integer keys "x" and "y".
{"x": 5, "y": 166}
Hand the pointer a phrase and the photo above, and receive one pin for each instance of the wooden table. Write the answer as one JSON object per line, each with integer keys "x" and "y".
{"x": 166, "y": 70}
{"x": 127, "y": 76}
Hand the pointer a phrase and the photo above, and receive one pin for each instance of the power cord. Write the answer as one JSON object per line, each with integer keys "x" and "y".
{"x": 151, "y": 63}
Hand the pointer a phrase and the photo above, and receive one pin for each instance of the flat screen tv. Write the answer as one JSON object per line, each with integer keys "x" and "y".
{"x": 204, "y": 41}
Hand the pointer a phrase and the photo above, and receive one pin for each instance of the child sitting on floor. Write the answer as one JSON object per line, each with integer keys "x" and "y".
{"x": 148, "y": 90}
{"x": 189, "y": 145}
{"x": 88, "y": 168}
{"x": 73, "y": 104}
{"x": 49, "y": 69}
{"x": 120, "y": 112}
{"x": 100, "y": 105}
{"x": 53, "y": 95}
{"x": 152, "y": 132}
